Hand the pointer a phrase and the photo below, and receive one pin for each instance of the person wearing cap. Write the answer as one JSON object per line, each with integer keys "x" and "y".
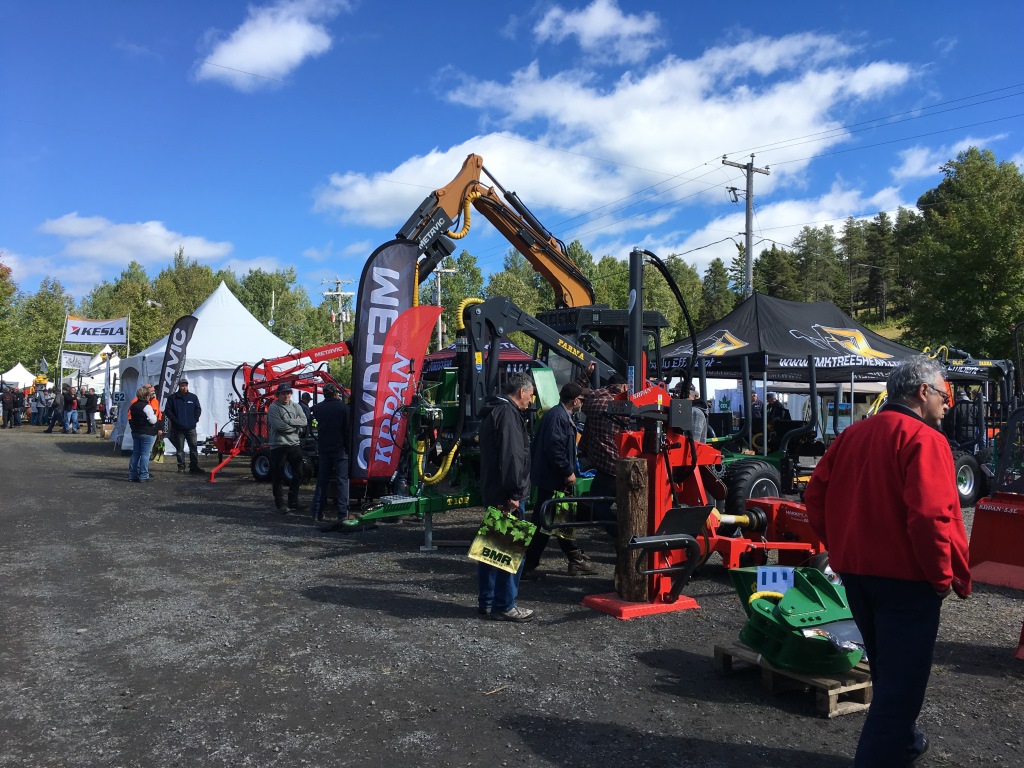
{"x": 304, "y": 403}
{"x": 776, "y": 410}
{"x": 553, "y": 469}
{"x": 183, "y": 410}
{"x": 286, "y": 421}
{"x": 334, "y": 433}
{"x": 598, "y": 441}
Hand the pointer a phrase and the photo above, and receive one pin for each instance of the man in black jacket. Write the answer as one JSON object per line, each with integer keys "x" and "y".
{"x": 504, "y": 484}
{"x": 92, "y": 402}
{"x": 334, "y": 431}
{"x": 553, "y": 468}
{"x": 183, "y": 411}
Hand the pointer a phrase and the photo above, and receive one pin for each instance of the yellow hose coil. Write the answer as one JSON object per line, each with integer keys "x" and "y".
{"x": 465, "y": 217}
{"x": 459, "y": 325}
{"x": 766, "y": 595}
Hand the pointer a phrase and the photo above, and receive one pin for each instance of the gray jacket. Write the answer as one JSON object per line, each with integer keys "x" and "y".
{"x": 286, "y": 422}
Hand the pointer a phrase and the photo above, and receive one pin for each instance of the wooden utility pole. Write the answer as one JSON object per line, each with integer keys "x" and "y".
{"x": 749, "y": 170}
{"x": 343, "y": 297}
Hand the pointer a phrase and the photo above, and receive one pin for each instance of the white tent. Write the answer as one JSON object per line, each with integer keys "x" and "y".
{"x": 226, "y": 336}
{"x": 19, "y": 376}
{"x": 95, "y": 375}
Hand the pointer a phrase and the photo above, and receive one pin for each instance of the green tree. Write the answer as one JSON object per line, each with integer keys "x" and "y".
{"x": 738, "y": 273}
{"x": 183, "y": 285}
{"x": 611, "y": 282}
{"x": 131, "y": 295}
{"x": 41, "y": 318}
{"x": 817, "y": 258}
{"x": 969, "y": 261}
{"x": 10, "y": 341}
{"x": 853, "y": 250}
{"x": 276, "y": 301}
{"x": 717, "y": 300}
{"x": 775, "y": 274}
{"x": 881, "y": 263}
{"x": 688, "y": 280}
{"x": 466, "y": 282}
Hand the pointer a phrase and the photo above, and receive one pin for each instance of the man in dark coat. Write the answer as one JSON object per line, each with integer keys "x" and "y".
{"x": 553, "y": 469}
{"x": 334, "y": 432}
{"x": 183, "y": 411}
{"x": 505, "y": 485}
{"x": 92, "y": 402}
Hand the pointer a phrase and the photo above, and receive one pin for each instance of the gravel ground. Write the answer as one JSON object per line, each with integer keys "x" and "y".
{"x": 181, "y": 622}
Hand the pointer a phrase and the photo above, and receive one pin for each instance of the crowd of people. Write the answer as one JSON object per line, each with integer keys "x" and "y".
{"x": 50, "y": 407}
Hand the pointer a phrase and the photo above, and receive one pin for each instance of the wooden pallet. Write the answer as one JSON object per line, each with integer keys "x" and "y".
{"x": 836, "y": 695}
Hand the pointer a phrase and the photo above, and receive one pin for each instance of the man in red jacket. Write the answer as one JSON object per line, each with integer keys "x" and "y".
{"x": 884, "y": 501}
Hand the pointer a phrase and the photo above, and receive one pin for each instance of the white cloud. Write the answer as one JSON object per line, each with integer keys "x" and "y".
{"x": 920, "y": 162}
{"x": 242, "y": 266}
{"x": 271, "y": 43}
{"x": 635, "y": 153}
{"x": 602, "y": 31}
{"x": 102, "y": 241}
{"x": 1019, "y": 160}
{"x": 945, "y": 45}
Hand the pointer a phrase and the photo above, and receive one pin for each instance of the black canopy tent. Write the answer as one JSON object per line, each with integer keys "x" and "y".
{"x": 775, "y": 337}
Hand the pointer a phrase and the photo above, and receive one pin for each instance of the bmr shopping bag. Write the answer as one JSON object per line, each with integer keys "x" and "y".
{"x": 502, "y": 540}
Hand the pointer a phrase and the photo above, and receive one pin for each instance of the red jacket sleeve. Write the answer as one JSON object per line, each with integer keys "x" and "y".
{"x": 934, "y": 523}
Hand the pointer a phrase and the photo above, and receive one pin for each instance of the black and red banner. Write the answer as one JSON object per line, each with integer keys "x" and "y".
{"x": 174, "y": 358}
{"x": 386, "y": 290}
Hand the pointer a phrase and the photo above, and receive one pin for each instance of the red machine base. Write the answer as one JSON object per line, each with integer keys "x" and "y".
{"x": 1020, "y": 648}
{"x": 614, "y": 605}
{"x": 996, "y": 556}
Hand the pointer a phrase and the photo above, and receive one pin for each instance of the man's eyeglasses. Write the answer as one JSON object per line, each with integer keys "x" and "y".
{"x": 941, "y": 393}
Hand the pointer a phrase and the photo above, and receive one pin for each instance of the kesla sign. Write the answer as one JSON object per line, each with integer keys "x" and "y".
{"x": 83, "y": 331}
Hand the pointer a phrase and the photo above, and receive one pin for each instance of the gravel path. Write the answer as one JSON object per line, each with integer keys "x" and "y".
{"x": 181, "y": 622}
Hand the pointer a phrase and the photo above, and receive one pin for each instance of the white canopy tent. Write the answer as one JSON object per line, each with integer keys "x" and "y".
{"x": 226, "y": 336}
{"x": 19, "y": 377}
{"x": 95, "y": 375}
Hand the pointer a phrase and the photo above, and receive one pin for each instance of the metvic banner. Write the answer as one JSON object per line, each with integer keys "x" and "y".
{"x": 385, "y": 292}
{"x": 79, "y": 331}
{"x": 174, "y": 358}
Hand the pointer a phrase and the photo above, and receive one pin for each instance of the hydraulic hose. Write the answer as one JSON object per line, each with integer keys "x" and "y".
{"x": 465, "y": 216}
{"x": 764, "y": 595}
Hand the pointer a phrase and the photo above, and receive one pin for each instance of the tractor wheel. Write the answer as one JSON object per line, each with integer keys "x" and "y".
{"x": 984, "y": 457}
{"x": 749, "y": 479}
{"x": 968, "y": 478}
{"x": 260, "y": 466}
{"x": 304, "y": 474}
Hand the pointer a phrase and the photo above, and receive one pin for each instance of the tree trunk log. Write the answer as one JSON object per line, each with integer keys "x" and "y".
{"x": 631, "y": 497}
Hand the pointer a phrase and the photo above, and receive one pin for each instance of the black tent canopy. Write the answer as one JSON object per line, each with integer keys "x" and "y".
{"x": 776, "y": 337}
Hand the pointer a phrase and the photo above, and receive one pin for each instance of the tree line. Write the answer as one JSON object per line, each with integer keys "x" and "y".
{"x": 949, "y": 272}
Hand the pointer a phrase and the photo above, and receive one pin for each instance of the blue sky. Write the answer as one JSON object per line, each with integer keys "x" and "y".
{"x": 305, "y": 133}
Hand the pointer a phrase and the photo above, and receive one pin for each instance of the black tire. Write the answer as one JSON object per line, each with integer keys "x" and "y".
{"x": 749, "y": 479}
{"x": 968, "y": 478}
{"x": 304, "y": 474}
{"x": 260, "y": 467}
{"x": 819, "y": 562}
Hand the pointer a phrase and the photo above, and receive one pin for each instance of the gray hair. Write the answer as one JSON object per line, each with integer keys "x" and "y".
{"x": 911, "y": 374}
{"x": 517, "y": 381}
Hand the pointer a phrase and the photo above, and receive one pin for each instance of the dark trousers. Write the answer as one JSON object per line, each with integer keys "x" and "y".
{"x": 90, "y": 421}
{"x": 292, "y": 456}
{"x": 899, "y": 620}
{"x": 56, "y": 417}
{"x": 332, "y": 465}
{"x": 604, "y": 484}
{"x": 540, "y": 539}
{"x": 178, "y": 439}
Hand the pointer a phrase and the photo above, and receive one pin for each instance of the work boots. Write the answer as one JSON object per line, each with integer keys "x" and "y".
{"x": 579, "y": 564}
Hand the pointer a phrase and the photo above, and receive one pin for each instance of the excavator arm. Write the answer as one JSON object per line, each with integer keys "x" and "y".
{"x": 431, "y": 226}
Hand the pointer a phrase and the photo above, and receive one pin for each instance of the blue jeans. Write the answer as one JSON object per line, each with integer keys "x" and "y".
{"x": 332, "y": 464}
{"x": 138, "y": 465}
{"x": 898, "y": 620}
{"x": 499, "y": 589}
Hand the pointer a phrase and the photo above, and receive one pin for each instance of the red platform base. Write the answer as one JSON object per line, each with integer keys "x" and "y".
{"x": 614, "y": 605}
{"x": 1020, "y": 648}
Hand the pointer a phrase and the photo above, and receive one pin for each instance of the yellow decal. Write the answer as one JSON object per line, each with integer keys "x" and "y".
{"x": 570, "y": 348}
{"x": 853, "y": 341}
{"x": 725, "y": 342}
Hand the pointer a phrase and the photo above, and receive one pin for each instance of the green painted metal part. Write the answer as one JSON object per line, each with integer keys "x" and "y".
{"x": 783, "y": 631}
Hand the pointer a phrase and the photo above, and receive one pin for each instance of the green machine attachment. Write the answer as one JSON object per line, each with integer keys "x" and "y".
{"x": 808, "y": 628}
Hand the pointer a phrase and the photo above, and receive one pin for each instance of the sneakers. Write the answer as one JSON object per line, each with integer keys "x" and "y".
{"x": 484, "y": 610}
{"x": 513, "y": 614}
{"x": 580, "y": 565}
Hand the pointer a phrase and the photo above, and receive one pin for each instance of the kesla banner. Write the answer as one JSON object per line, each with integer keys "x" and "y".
{"x": 82, "y": 331}
{"x": 77, "y": 360}
{"x": 401, "y": 365}
{"x": 174, "y": 358}
{"x": 385, "y": 291}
